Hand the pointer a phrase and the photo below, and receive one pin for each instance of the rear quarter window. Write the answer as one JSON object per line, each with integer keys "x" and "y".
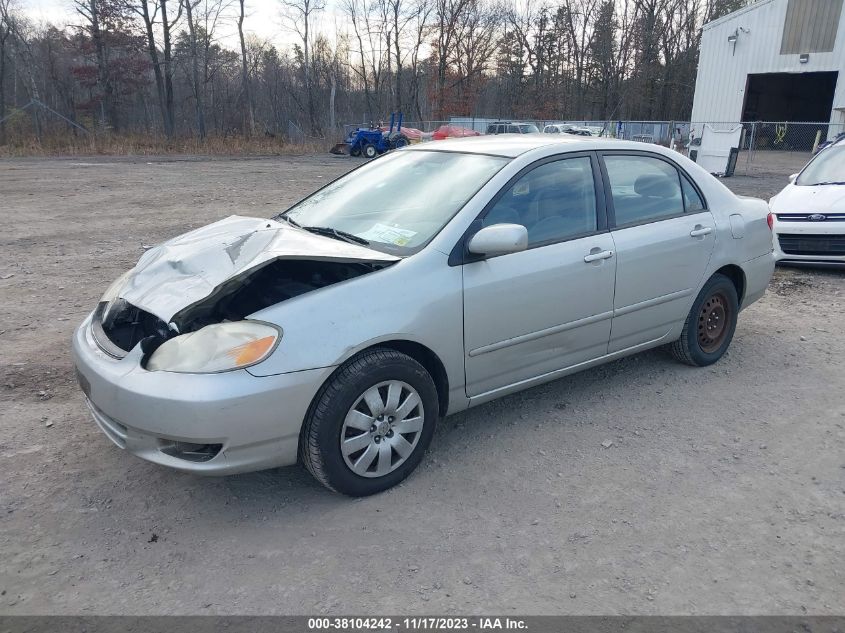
{"x": 692, "y": 199}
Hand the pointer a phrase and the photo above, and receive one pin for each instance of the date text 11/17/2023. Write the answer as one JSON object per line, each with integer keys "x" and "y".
{"x": 419, "y": 623}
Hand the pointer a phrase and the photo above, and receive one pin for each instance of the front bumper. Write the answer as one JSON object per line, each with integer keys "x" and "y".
{"x": 809, "y": 242}
{"x": 245, "y": 422}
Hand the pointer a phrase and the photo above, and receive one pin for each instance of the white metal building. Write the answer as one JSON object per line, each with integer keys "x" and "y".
{"x": 774, "y": 60}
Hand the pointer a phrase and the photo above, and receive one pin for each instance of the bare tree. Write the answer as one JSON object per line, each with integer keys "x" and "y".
{"x": 22, "y": 49}
{"x": 420, "y": 27}
{"x": 5, "y": 33}
{"x": 162, "y": 66}
{"x": 579, "y": 19}
{"x": 476, "y": 41}
{"x": 299, "y": 15}
{"x": 166, "y": 68}
{"x": 91, "y": 12}
{"x": 148, "y": 16}
{"x": 354, "y": 10}
{"x": 604, "y": 53}
{"x": 447, "y": 18}
{"x": 189, "y": 6}
{"x": 247, "y": 92}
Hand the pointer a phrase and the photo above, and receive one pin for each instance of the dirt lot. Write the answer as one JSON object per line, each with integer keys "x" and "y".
{"x": 723, "y": 490}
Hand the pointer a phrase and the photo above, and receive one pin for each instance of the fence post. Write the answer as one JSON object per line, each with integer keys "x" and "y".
{"x": 750, "y": 156}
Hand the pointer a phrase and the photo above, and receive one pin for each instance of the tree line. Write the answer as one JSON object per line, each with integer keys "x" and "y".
{"x": 192, "y": 68}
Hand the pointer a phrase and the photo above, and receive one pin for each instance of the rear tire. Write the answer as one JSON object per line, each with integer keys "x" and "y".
{"x": 710, "y": 324}
{"x": 351, "y": 448}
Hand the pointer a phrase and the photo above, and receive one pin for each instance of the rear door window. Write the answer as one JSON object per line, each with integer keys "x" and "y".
{"x": 643, "y": 188}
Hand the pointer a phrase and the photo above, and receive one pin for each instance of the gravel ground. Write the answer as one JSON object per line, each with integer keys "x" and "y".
{"x": 723, "y": 490}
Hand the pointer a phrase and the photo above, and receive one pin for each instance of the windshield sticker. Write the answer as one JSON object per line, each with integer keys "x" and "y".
{"x": 388, "y": 235}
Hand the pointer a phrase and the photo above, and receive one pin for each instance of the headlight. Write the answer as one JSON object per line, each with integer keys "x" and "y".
{"x": 215, "y": 348}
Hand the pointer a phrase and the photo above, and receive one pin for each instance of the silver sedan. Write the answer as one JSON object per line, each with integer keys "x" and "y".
{"x": 427, "y": 281}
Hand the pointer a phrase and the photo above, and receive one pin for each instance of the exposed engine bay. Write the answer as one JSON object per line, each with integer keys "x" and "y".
{"x": 119, "y": 326}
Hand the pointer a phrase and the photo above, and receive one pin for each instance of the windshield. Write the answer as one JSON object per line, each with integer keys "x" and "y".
{"x": 529, "y": 128}
{"x": 827, "y": 167}
{"x": 400, "y": 201}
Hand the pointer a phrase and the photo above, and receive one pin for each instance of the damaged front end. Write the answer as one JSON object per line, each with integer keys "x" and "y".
{"x": 221, "y": 274}
{"x": 118, "y": 326}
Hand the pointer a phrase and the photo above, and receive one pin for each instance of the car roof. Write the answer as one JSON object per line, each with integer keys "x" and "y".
{"x": 513, "y": 145}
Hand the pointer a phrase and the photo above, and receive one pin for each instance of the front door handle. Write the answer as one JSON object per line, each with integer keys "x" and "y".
{"x": 594, "y": 257}
{"x": 700, "y": 231}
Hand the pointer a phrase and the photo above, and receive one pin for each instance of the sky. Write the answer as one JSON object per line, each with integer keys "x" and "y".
{"x": 263, "y": 19}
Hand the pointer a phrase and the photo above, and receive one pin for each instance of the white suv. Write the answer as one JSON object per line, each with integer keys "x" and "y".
{"x": 809, "y": 214}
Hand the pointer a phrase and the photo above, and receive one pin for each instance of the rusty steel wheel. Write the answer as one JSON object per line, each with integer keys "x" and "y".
{"x": 713, "y": 321}
{"x": 710, "y": 323}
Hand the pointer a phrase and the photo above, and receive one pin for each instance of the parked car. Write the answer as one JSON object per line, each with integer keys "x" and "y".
{"x": 339, "y": 332}
{"x": 809, "y": 213}
{"x": 512, "y": 127}
{"x": 830, "y": 142}
{"x": 452, "y": 131}
{"x": 567, "y": 128}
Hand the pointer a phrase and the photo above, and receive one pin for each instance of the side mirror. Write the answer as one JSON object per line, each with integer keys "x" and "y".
{"x": 792, "y": 177}
{"x": 499, "y": 239}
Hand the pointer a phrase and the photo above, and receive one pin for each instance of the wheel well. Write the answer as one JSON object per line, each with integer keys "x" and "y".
{"x": 433, "y": 365}
{"x": 737, "y": 276}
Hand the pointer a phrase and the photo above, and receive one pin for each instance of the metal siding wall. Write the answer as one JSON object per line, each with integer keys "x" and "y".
{"x": 721, "y": 78}
{"x": 810, "y": 26}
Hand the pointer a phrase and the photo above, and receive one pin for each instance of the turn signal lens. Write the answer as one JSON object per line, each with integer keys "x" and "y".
{"x": 249, "y": 353}
{"x": 770, "y": 220}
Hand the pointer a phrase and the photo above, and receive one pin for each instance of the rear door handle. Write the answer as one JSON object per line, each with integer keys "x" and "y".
{"x": 699, "y": 230}
{"x": 594, "y": 257}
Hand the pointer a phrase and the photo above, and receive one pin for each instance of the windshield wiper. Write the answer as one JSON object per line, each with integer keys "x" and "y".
{"x": 828, "y": 182}
{"x": 288, "y": 219}
{"x": 337, "y": 234}
{"x": 324, "y": 230}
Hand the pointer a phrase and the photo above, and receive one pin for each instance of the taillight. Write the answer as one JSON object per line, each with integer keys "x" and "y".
{"x": 770, "y": 220}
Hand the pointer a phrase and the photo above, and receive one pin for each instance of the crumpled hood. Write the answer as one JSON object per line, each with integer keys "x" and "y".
{"x": 818, "y": 199}
{"x": 185, "y": 270}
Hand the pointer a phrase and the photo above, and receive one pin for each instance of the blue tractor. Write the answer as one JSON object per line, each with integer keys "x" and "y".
{"x": 372, "y": 141}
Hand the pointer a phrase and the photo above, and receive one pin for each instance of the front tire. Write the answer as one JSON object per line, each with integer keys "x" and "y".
{"x": 710, "y": 324}
{"x": 370, "y": 424}
{"x": 370, "y": 150}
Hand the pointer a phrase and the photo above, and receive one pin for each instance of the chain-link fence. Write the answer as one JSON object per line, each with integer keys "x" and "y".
{"x": 765, "y": 148}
